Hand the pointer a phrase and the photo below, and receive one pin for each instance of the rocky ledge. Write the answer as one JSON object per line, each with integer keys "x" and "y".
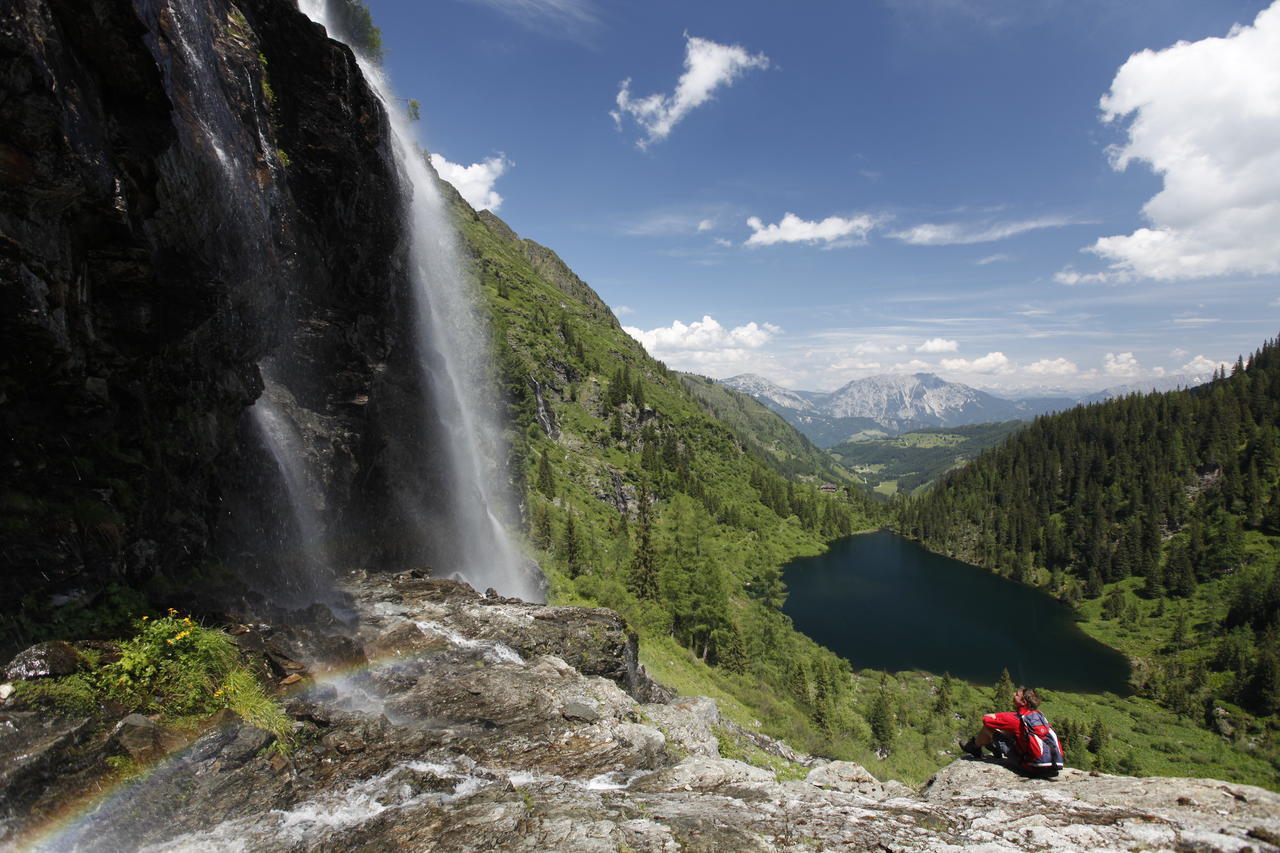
{"x": 443, "y": 719}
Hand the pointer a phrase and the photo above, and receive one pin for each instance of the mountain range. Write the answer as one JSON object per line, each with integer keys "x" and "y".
{"x": 888, "y": 404}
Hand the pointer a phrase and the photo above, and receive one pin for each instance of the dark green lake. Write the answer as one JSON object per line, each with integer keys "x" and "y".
{"x": 884, "y": 602}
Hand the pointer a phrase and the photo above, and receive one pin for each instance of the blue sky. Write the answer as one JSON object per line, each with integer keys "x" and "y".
{"x": 1010, "y": 193}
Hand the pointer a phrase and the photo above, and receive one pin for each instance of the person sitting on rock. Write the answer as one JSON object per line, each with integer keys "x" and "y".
{"x": 1001, "y": 728}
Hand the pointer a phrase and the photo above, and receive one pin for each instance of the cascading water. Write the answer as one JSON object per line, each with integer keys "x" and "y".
{"x": 464, "y": 533}
{"x": 304, "y": 573}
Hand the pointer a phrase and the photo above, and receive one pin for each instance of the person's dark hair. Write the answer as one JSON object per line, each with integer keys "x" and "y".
{"x": 1030, "y": 698}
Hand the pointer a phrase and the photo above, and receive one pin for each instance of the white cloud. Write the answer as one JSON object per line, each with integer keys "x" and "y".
{"x": 721, "y": 241}
{"x": 704, "y": 334}
{"x": 705, "y": 346}
{"x": 992, "y": 362}
{"x": 954, "y": 233}
{"x": 707, "y": 67}
{"x": 623, "y": 310}
{"x": 855, "y": 364}
{"x": 706, "y": 224}
{"x": 474, "y": 182}
{"x": 1205, "y": 118}
{"x": 565, "y": 18}
{"x": 1070, "y": 277}
{"x": 1121, "y": 364}
{"x": 938, "y": 345}
{"x": 834, "y": 230}
{"x": 915, "y": 365}
{"x": 1052, "y": 367}
{"x": 1202, "y": 365}
{"x": 991, "y": 259}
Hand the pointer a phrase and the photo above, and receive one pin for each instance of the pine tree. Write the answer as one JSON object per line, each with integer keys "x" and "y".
{"x": 880, "y": 718}
{"x": 1003, "y": 695}
{"x": 571, "y": 546}
{"x": 541, "y": 526}
{"x": 642, "y": 577}
{"x": 545, "y": 481}
{"x": 1098, "y": 736}
{"x": 799, "y": 681}
{"x": 942, "y": 705}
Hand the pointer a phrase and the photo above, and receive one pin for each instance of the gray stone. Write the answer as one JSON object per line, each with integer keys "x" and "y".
{"x": 43, "y": 660}
{"x": 140, "y": 737}
{"x": 579, "y": 709}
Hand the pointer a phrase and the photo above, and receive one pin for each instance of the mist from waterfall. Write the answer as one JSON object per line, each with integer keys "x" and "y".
{"x": 304, "y": 572}
{"x": 465, "y": 533}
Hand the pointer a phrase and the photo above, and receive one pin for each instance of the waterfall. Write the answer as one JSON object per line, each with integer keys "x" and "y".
{"x": 467, "y": 535}
{"x": 304, "y": 572}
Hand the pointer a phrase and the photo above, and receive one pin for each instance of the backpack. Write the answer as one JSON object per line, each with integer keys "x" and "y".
{"x": 1036, "y": 747}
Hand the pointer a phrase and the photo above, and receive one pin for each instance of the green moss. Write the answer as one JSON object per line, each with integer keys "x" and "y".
{"x": 171, "y": 666}
{"x": 75, "y": 695}
{"x": 268, "y": 93}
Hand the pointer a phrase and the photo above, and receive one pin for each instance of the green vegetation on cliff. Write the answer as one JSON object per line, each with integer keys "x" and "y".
{"x": 1158, "y": 516}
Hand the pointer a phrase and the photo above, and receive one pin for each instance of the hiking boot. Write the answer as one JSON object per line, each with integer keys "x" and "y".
{"x": 973, "y": 750}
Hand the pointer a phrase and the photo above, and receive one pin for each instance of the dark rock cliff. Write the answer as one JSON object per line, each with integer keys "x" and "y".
{"x": 187, "y": 188}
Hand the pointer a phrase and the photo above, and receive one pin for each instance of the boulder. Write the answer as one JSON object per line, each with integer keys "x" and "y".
{"x": 43, "y": 660}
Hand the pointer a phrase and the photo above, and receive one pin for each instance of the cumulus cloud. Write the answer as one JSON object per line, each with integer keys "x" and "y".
{"x": 623, "y": 310}
{"x": 1204, "y": 118}
{"x": 704, "y": 334}
{"x": 957, "y": 233}
{"x": 992, "y": 362}
{"x": 707, "y": 67}
{"x": 1052, "y": 367}
{"x": 834, "y": 230}
{"x": 1120, "y": 364}
{"x": 938, "y": 345}
{"x": 705, "y": 346}
{"x": 474, "y": 182}
{"x": 706, "y": 224}
{"x": 1202, "y": 365}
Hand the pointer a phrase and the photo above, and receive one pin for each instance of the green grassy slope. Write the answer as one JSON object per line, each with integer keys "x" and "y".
{"x": 764, "y": 432}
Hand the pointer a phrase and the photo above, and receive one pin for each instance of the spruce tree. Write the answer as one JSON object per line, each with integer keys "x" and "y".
{"x": 880, "y": 718}
{"x": 571, "y": 546}
{"x": 1003, "y": 695}
{"x": 545, "y": 480}
{"x": 642, "y": 576}
{"x": 942, "y": 705}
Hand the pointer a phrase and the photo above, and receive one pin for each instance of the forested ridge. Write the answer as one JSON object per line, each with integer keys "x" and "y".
{"x": 1155, "y": 515}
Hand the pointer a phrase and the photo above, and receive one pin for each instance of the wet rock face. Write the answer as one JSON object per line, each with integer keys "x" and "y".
{"x": 43, "y": 659}
{"x": 185, "y": 187}
{"x": 467, "y": 729}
